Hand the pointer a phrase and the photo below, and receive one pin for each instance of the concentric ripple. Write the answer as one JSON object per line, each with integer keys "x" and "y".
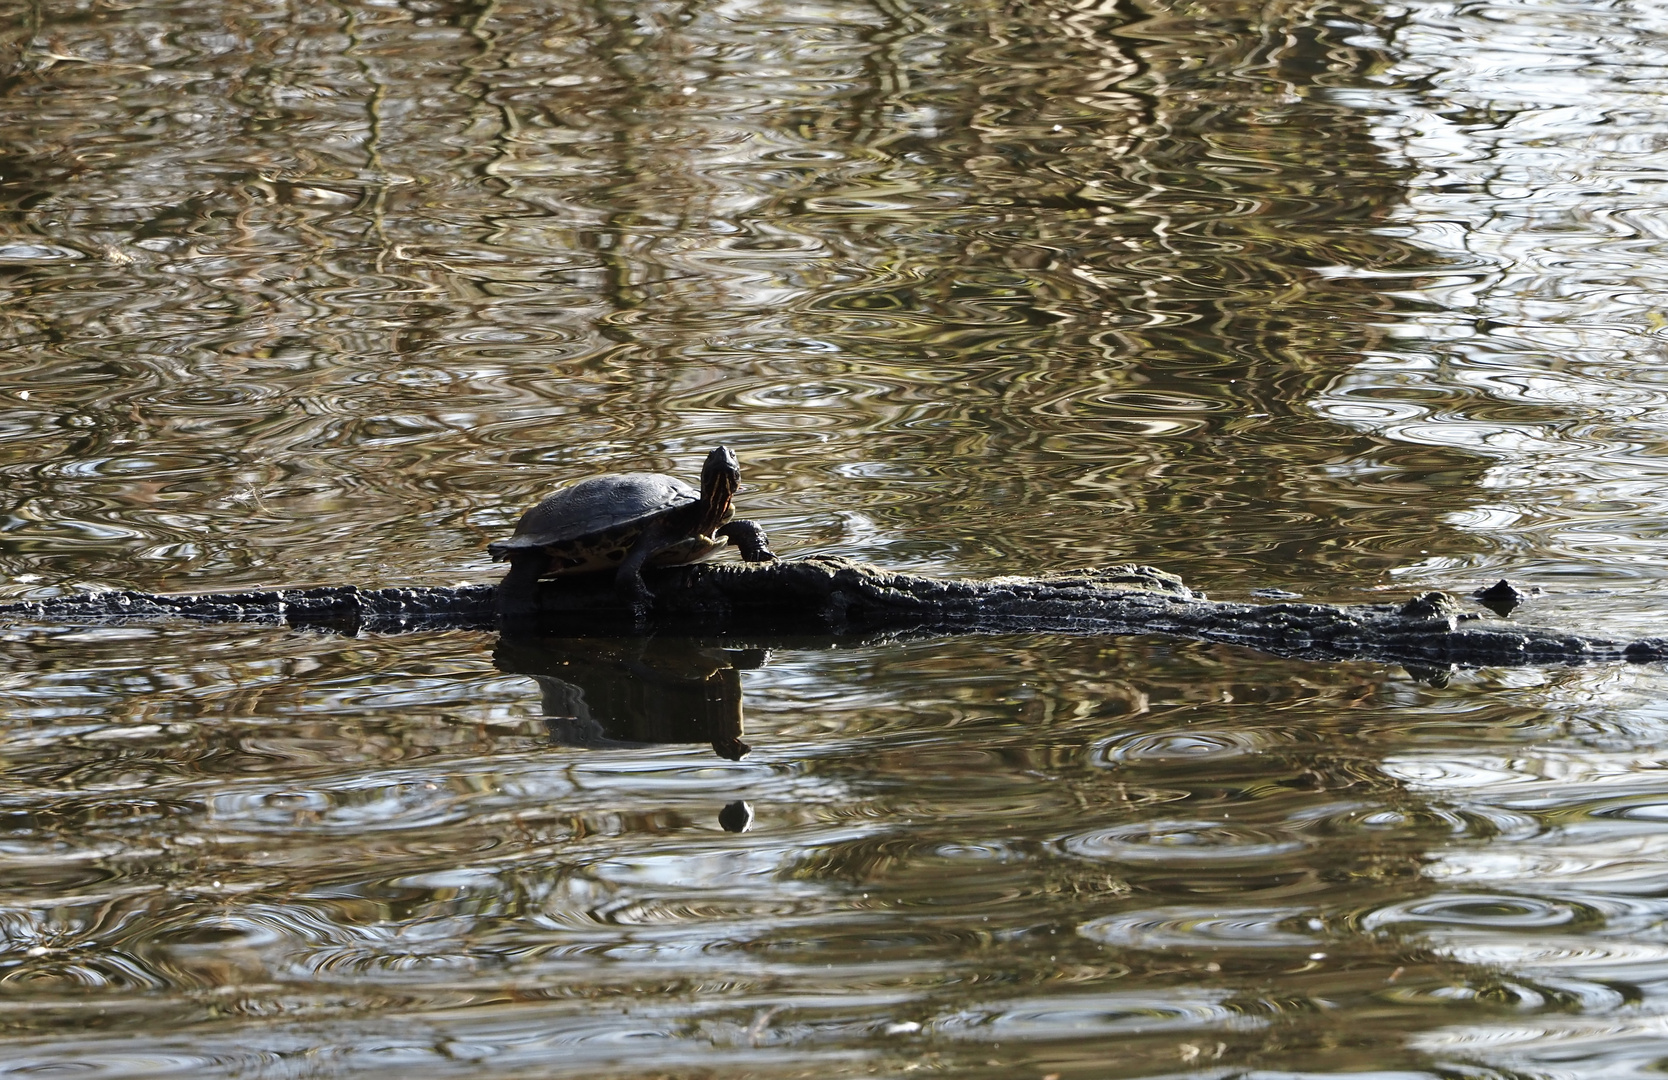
{"x": 1212, "y": 928}
{"x": 1181, "y": 842}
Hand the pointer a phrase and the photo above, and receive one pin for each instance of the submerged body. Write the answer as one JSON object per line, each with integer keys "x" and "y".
{"x": 624, "y": 522}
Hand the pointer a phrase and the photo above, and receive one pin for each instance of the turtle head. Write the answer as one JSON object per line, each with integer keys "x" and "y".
{"x": 720, "y": 477}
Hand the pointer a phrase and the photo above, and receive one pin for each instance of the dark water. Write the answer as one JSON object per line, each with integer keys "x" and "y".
{"x": 1344, "y": 298}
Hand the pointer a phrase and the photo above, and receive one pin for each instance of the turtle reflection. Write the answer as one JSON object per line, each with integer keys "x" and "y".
{"x": 624, "y": 692}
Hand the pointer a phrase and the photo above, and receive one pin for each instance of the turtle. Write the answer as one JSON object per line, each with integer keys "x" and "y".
{"x": 624, "y": 522}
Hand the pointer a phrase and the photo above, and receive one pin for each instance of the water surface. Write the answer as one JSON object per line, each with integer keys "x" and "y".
{"x": 1346, "y": 299}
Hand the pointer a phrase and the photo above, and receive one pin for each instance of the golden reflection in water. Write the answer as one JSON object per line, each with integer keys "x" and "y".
{"x": 310, "y": 296}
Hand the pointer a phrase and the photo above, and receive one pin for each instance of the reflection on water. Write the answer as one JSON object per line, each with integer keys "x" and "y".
{"x": 334, "y": 297}
{"x": 1324, "y": 296}
{"x": 604, "y": 692}
{"x": 1027, "y": 851}
{"x": 1539, "y": 348}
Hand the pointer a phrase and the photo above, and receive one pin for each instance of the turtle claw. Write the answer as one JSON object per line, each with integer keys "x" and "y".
{"x": 639, "y": 600}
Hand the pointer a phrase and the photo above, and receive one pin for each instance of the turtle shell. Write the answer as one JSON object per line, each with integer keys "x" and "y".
{"x": 592, "y": 525}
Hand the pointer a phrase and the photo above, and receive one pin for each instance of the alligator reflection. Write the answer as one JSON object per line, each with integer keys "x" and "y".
{"x": 626, "y": 692}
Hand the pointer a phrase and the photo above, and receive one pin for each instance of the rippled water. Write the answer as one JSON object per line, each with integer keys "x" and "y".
{"x": 1341, "y": 298}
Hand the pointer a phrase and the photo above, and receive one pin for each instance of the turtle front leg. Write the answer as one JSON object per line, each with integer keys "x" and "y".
{"x": 629, "y": 583}
{"x": 750, "y": 539}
